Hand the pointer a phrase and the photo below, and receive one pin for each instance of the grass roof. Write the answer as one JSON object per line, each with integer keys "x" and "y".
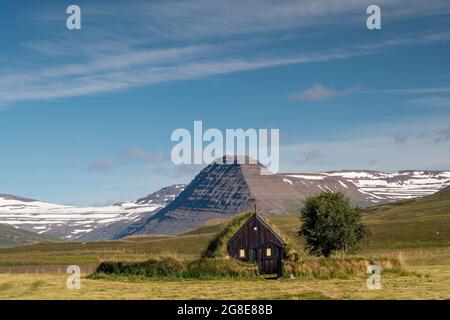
{"x": 218, "y": 246}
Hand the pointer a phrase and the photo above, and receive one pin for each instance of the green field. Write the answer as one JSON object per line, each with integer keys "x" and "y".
{"x": 416, "y": 232}
{"x": 435, "y": 284}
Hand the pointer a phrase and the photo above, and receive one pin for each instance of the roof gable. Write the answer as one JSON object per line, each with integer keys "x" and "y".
{"x": 256, "y": 216}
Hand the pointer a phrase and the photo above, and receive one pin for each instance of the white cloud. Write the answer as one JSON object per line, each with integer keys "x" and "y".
{"x": 141, "y": 67}
{"x": 190, "y": 19}
{"x": 431, "y": 101}
{"x": 418, "y": 91}
{"x": 318, "y": 93}
{"x": 111, "y": 58}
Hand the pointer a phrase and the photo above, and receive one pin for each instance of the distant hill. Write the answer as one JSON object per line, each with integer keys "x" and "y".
{"x": 80, "y": 223}
{"x": 225, "y": 189}
{"x": 11, "y": 237}
{"x": 218, "y": 192}
{"x": 415, "y": 224}
{"x": 420, "y": 222}
{"x": 428, "y": 207}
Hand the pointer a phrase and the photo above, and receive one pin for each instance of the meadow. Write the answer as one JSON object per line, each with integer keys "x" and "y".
{"x": 434, "y": 284}
{"x": 421, "y": 243}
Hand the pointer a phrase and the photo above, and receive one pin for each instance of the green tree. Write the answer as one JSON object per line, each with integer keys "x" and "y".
{"x": 331, "y": 225}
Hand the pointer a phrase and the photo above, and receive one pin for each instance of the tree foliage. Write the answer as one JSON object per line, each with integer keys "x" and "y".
{"x": 331, "y": 225}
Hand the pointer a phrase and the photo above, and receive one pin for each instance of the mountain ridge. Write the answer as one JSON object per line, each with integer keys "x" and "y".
{"x": 78, "y": 223}
{"x": 272, "y": 193}
{"x": 227, "y": 189}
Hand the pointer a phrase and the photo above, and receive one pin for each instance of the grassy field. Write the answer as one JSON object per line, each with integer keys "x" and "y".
{"x": 51, "y": 257}
{"x": 428, "y": 282}
{"x": 416, "y": 232}
{"x": 428, "y": 275}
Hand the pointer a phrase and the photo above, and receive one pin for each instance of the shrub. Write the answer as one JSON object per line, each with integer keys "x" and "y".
{"x": 164, "y": 267}
{"x": 292, "y": 255}
{"x": 110, "y": 267}
{"x": 172, "y": 268}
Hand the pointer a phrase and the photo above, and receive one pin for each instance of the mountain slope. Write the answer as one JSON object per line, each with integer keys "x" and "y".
{"x": 366, "y": 187}
{"x": 226, "y": 189}
{"x": 218, "y": 191}
{"x": 435, "y": 206}
{"x": 421, "y": 222}
{"x": 79, "y": 223}
{"x": 11, "y": 237}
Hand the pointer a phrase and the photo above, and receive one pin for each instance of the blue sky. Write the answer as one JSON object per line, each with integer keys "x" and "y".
{"x": 86, "y": 115}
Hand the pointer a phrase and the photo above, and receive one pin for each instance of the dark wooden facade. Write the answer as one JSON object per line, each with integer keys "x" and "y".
{"x": 256, "y": 241}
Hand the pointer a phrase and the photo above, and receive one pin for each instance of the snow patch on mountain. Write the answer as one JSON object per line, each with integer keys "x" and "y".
{"x": 382, "y": 187}
{"x": 72, "y": 222}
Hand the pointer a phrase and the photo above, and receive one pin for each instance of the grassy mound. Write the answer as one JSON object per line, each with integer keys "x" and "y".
{"x": 331, "y": 268}
{"x": 164, "y": 267}
{"x": 220, "y": 268}
{"x": 204, "y": 268}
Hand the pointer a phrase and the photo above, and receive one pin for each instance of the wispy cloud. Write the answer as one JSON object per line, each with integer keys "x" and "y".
{"x": 311, "y": 156}
{"x": 400, "y": 138}
{"x": 102, "y": 165}
{"x": 319, "y": 92}
{"x": 431, "y": 101}
{"x": 222, "y": 18}
{"x": 127, "y": 156}
{"x": 146, "y": 67}
{"x": 204, "y": 41}
{"x": 418, "y": 91}
{"x": 141, "y": 154}
{"x": 423, "y": 144}
{"x": 443, "y": 135}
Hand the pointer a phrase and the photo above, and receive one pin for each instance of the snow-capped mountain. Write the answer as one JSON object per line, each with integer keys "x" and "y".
{"x": 164, "y": 196}
{"x": 222, "y": 190}
{"x": 75, "y": 223}
{"x": 371, "y": 187}
{"x": 215, "y": 191}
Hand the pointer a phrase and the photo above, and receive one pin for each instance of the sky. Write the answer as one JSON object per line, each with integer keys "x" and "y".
{"x": 86, "y": 115}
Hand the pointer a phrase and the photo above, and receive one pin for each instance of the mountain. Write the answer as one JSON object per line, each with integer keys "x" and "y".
{"x": 11, "y": 237}
{"x": 79, "y": 223}
{"x": 162, "y": 197}
{"x": 366, "y": 187}
{"x": 218, "y": 191}
{"x": 221, "y": 190}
